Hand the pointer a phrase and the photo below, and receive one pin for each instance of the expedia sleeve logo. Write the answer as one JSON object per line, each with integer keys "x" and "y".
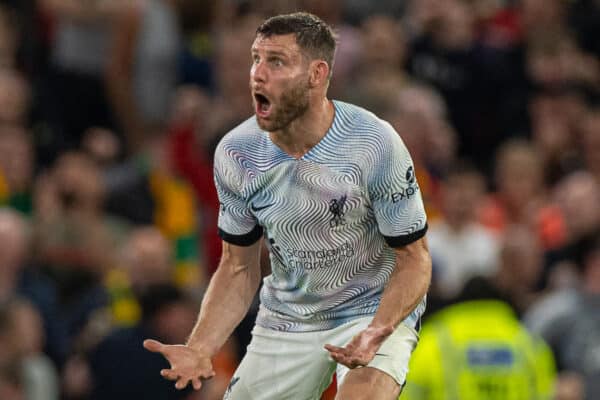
{"x": 411, "y": 190}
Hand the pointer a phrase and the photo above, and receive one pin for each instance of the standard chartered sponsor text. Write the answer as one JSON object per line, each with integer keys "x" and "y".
{"x": 322, "y": 258}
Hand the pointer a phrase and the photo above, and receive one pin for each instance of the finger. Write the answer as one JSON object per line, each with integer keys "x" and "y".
{"x": 153, "y": 345}
{"x": 209, "y": 374}
{"x": 330, "y": 348}
{"x": 181, "y": 383}
{"x": 169, "y": 374}
{"x": 196, "y": 383}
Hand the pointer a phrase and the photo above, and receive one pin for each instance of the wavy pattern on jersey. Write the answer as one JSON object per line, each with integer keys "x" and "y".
{"x": 323, "y": 216}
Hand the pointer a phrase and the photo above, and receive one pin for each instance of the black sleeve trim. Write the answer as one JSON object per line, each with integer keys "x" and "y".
{"x": 247, "y": 239}
{"x": 399, "y": 241}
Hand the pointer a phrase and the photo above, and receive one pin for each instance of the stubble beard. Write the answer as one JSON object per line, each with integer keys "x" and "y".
{"x": 292, "y": 105}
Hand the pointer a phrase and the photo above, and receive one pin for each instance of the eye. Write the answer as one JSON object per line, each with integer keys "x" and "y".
{"x": 277, "y": 62}
{"x": 255, "y": 59}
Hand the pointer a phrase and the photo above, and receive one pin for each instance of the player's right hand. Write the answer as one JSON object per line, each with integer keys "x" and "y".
{"x": 187, "y": 365}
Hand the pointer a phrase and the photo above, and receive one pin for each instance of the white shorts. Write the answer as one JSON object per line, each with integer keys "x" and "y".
{"x": 295, "y": 366}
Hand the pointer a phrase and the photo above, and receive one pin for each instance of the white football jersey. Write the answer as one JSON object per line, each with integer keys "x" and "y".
{"x": 330, "y": 218}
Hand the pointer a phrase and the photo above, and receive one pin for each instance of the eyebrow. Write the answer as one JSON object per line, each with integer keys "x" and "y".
{"x": 271, "y": 52}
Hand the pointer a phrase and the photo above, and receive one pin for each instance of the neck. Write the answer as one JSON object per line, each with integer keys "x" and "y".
{"x": 306, "y": 131}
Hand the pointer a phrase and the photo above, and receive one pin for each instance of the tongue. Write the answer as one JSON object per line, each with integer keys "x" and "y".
{"x": 264, "y": 107}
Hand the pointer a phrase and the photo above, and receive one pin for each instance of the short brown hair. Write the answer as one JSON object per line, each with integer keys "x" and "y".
{"x": 312, "y": 34}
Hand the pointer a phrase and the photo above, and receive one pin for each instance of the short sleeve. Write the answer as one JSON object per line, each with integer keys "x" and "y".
{"x": 394, "y": 191}
{"x": 237, "y": 225}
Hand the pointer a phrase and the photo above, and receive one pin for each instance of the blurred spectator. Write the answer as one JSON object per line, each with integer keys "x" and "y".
{"x": 555, "y": 119}
{"x": 79, "y": 54}
{"x": 232, "y": 103}
{"x": 14, "y": 97}
{"x": 554, "y": 61}
{"x": 142, "y": 68}
{"x": 569, "y": 321}
{"x": 479, "y": 350}
{"x": 539, "y": 17}
{"x": 349, "y": 49}
{"x": 146, "y": 189}
{"x": 383, "y": 45}
{"x": 578, "y": 196}
{"x": 146, "y": 261}
{"x": 516, "y": 280}
{"x": 521, "y": 196}
{"x": 190, "y": 148}
{"x": 40, "y": 376}
{"x": 75, "y": 240}
{"x": 121, "y": 369}
{"x": 197, "y": 22}
{"x": 460, "y": 246}
{"x": 17, "y": 165}
{"x": 18, "y": 278}
{"x": 21, "y": 339}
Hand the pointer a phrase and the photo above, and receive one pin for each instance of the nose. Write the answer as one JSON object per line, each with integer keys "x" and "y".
{"x": 258, "y": 73}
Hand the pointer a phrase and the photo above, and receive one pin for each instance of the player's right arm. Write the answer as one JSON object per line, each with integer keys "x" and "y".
{"x": 234, "y": 284}
{"x": 227, "y": 299}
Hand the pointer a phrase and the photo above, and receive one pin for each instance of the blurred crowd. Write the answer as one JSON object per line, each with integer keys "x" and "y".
{"x": 109, "y": 114}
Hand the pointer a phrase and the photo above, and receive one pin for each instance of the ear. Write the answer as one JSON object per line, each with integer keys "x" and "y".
{"x": 318, "y": 73}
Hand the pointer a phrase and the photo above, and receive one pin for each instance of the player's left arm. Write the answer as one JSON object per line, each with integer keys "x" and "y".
{"x": 407, "y": 286}
{"x": 398, "y": 207}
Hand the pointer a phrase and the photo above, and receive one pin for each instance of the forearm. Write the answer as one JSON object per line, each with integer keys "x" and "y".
{"x": 226, "y": 302}
{"x": 407, "y": 285}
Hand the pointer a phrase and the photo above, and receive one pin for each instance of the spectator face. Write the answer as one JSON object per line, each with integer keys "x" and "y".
{"x": 455, "y": 28}
{"x": 462, "y": 193}
{"x": 521, "y": 256}
{"x": 148, "y": 258}
{"x": 542, "y": 13}
{"x": 518, "y": 176}
{"x": 578, "y": 195}
{"x": 14, "y": 97}
{"x": 383, "y": 43}
{"x": 16, "y": 158}
{"x": 79, "y": 182}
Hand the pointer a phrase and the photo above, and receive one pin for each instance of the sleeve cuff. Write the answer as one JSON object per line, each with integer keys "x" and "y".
{"x": 247, "y": 239}
{"x": 400, "y": 241}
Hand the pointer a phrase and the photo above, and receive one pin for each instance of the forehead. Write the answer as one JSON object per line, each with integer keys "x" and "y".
{"x": 276, "y": 43}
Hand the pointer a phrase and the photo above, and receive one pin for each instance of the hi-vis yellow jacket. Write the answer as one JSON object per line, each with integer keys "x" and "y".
{"x": 478, "y": 350}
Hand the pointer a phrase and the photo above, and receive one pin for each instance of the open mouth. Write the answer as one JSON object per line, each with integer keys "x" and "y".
{"x": 263, "y": 105}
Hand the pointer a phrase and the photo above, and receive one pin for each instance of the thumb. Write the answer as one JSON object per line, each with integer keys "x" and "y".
{"x": 154, "y": 345}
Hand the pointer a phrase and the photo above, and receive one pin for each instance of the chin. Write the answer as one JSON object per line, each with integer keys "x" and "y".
{"x": 268, "y": 126}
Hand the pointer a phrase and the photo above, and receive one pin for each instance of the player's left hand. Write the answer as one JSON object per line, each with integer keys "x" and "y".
{"x": 361, "y": 349}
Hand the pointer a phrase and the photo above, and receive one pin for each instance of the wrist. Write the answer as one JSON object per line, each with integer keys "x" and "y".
{"x": 381, "y": 328}
{"x": 202, "y": 349}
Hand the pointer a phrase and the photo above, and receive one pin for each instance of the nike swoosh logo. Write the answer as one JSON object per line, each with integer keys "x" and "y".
{"x": 254, "y": 208}
{"x": 382, "y": 355}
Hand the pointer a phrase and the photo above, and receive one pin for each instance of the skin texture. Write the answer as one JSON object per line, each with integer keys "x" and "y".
{"x": 297, "y": 118}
